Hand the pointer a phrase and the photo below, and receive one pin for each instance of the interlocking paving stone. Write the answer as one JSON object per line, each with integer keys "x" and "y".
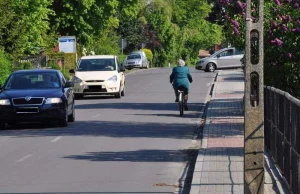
{"x": 220, "y": 163}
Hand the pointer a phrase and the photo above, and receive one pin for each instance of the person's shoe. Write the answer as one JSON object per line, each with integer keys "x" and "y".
{"x": 177, "y": 100}
{"x": 186, "y": 107}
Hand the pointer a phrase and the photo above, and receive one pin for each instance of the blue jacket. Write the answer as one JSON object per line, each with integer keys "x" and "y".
{"x": 181, "y": 77}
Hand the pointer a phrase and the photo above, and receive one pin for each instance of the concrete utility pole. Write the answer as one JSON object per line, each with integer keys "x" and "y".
{"x": 254, "y": 102}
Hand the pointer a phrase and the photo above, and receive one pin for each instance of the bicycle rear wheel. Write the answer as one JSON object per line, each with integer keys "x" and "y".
{"x": 180, "y": 103}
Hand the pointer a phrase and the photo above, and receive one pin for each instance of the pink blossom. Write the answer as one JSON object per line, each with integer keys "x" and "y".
{"x": 298, "y": 22}
{"x": 236, "y": 31}
{"x": 277, "y": 2}
{"x": 241, "y": 5}
{"x": 271, "y": 32}
{"x": 295, "y": 4}
{"x": 235, "y": 23}
{"x": 277, "y": 42}
{"x": 289, "y": 55}
{"x": 296, "y": 30}
{"x": 274, "y": 24}
{"x": 284, "y": 28}
{"x": 286, "y": 19}
{"x": 244, "y": 15}
{"x": 227, "y": 17}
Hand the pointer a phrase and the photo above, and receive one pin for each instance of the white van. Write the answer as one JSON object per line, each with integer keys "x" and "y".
{"x": 99, "y": 75}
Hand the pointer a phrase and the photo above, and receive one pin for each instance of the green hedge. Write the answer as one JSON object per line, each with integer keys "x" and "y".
{"x": 5, "y": 67}
{"x": 69, "y": 62}
{"x": 149, "y": 55}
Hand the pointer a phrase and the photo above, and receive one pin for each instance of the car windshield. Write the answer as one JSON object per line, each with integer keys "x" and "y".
{"x": 97, "y": 65}
{"x": 134, "y": 57}
{"x": 32, "y": 80}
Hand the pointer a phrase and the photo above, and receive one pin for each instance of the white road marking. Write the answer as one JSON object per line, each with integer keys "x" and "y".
{"x": 56, "y": 139}
{"x": 24, "y": 158}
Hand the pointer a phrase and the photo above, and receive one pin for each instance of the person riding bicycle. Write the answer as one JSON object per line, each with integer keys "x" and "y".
{"x": 181, "y": 78}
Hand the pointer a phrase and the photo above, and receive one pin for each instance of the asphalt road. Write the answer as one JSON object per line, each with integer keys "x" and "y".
{"x": 132, "y": 144}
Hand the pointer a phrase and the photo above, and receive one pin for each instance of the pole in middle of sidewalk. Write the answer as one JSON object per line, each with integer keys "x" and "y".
{"x": 254, "y": 102}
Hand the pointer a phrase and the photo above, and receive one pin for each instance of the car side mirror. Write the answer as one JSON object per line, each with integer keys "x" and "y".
{"x": 69, "y": 85}
{"x": 71, "y": 71}
{"x": 122, "y": 69}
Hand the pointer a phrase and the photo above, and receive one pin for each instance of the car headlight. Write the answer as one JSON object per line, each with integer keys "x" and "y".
{"x": 76, "y": 80}
{"x": 4, "y": 102}
{"x": 53, "y": 100}
{"x": 113, "y": 78}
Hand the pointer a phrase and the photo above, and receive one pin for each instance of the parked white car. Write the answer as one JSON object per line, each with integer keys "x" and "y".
{"x": 224, "y": 58}
{"x": 99, "y": 75}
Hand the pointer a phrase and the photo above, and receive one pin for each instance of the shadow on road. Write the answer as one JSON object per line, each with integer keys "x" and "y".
{"x": 134, "y": 156}
{"x": 139, "y": 106}
{"x": 105, "y": 129}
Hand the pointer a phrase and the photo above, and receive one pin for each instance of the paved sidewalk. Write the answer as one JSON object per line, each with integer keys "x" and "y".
{"x": 220, "y": 163}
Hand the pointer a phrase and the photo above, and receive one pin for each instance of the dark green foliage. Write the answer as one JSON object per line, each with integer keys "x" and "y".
{"x": 5, "y": 67}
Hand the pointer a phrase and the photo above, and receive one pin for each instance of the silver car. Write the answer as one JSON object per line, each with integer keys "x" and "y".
{"x": 224, "y": 58}
{"x": 136, "y": 60}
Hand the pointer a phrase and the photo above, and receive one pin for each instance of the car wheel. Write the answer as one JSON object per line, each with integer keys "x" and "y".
{"x": 118, "y": 95}
{"x": 123, "y": 91}
{"x": 71, "y": 117}
{"x": 211, "y": 67}
{"x": 2, "y": 125}
{"x": 64, "y": 121}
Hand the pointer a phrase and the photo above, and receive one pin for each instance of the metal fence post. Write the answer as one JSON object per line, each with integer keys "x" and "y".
{"x": 254, "y": 102}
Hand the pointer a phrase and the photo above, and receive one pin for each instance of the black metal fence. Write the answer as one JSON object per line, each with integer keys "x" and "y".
{"x": 282, "y": 134}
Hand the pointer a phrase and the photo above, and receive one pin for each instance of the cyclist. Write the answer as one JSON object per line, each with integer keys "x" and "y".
{"x": 181, "y": 78}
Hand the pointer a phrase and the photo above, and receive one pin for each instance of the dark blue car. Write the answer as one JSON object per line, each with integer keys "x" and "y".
{"x": 40, "y": 95}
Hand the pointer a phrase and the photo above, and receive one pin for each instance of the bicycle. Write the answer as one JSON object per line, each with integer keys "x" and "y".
{"x": 181, "y": 102}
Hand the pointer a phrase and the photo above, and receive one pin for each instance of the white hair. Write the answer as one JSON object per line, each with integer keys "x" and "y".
{"x": 180, "y": 63}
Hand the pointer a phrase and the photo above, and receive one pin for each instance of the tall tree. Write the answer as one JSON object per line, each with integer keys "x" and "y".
{"x": 84, "y": 19}
{"x": 131, "y": 25}
{"x": 195, "y": 31}
{"x": 158, "y": 14}
{"x": 24, "y": 25}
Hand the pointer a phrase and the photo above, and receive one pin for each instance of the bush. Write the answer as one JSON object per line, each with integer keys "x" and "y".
{"x": 122, "y": 58}
{"x": 55, "y": 66}
{"x": 66, "y": 74}
{"x": 149, "y": 55}
{"x": 26, "y": 65}
{"x": 5, "y": 67}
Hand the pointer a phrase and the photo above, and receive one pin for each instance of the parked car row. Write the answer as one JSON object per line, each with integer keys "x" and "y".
{"x": 43, "y": 95}
{"x": 224, "y": 58}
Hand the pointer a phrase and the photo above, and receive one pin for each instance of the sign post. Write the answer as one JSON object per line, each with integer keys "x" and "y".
{"x": 254, "y": 102}
{"x": 67, "y": 44}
